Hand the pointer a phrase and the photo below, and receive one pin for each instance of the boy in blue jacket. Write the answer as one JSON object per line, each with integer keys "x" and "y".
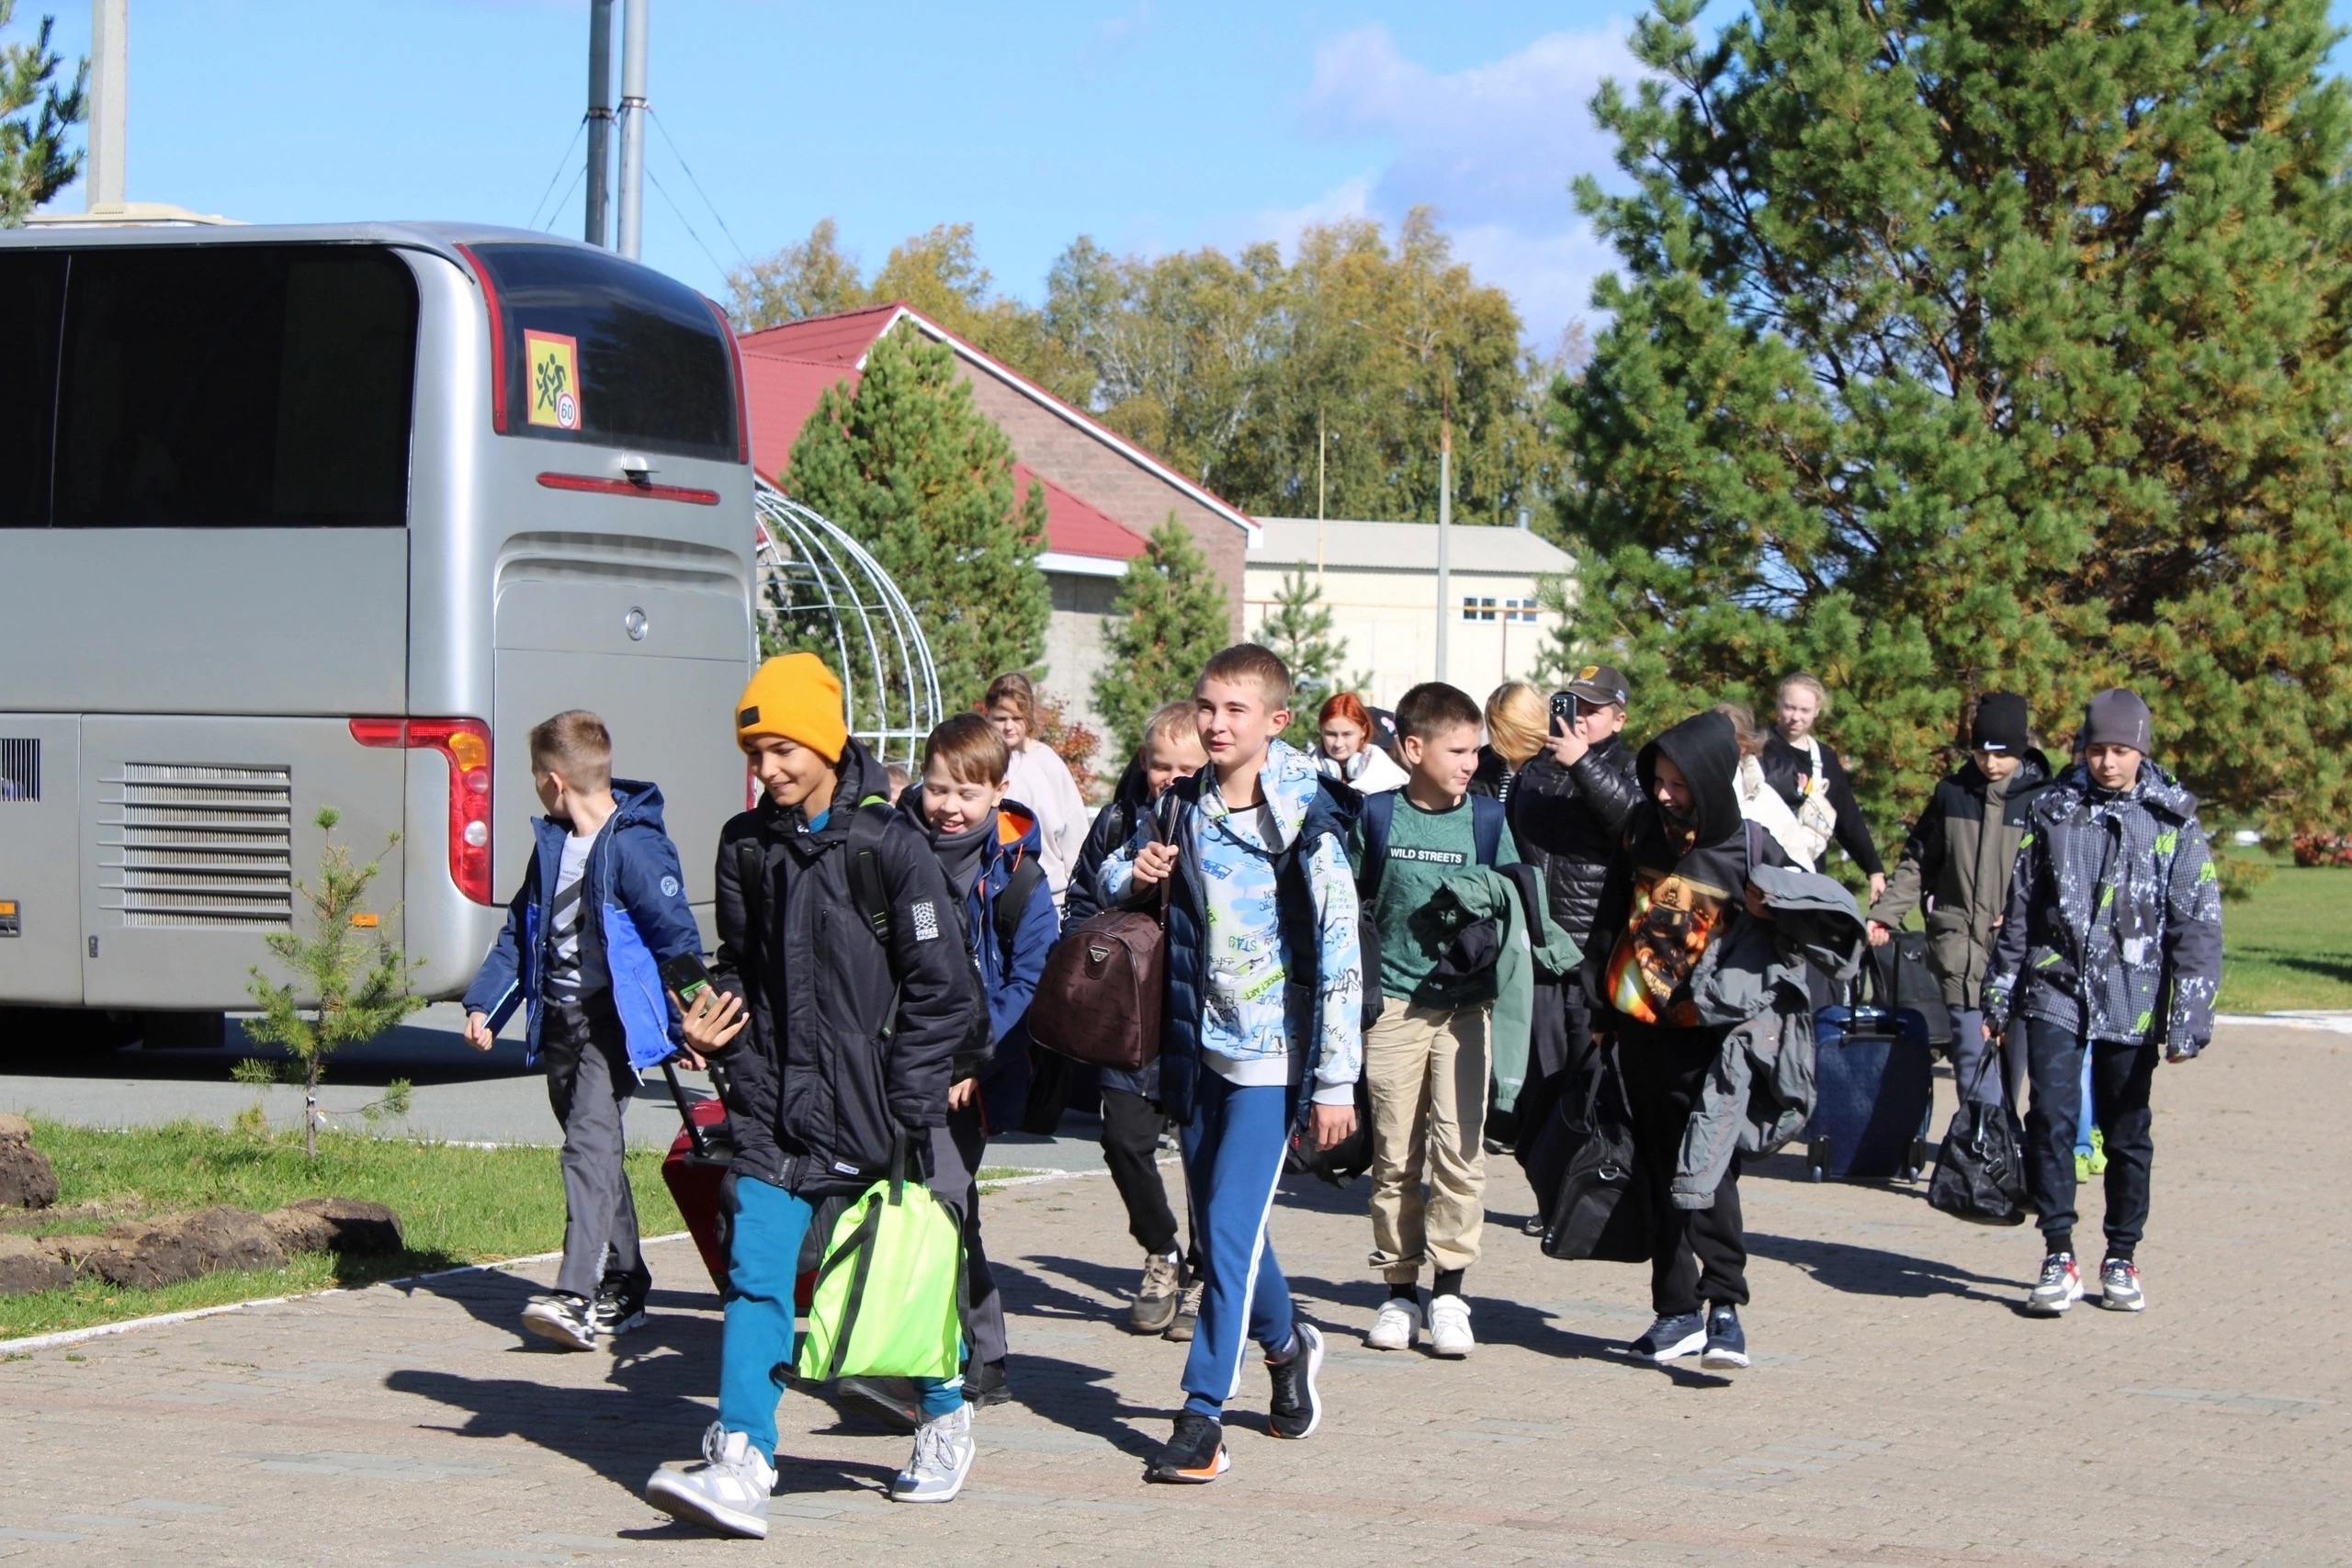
{"x": 601, "y": 908}
{"x": 1262, "y": 1030}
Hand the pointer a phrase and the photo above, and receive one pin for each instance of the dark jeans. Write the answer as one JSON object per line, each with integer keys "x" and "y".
{"x": 589, "y": 1084}
{"x": 1131, "y": 1127}
{"x": 2122, "y": 1075}
{"x": 1696, "y": 1255}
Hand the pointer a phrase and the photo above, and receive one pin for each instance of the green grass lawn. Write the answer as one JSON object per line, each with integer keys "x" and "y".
{"x": 456, "y": 1205}
{"x": 2289, "y": 947}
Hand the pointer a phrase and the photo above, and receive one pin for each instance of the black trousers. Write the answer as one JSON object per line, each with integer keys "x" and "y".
{"x": 2122, "y": 1076}
{"x": 1131, "y": 1148}
{"x": 1696, "y": 1255}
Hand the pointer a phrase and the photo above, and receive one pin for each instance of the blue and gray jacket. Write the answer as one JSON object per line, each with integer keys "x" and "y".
{"x": 1316, "y": 911}
{"x": 633, "y": 916}
{"x": 2114, "y": 922}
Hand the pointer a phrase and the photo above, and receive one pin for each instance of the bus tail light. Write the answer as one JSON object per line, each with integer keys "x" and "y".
{"x": 464, "y": 743}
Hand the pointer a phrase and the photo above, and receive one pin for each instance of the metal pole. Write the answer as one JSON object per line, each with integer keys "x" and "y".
{"x": 1318, "y": 501}
{"x": 599, "y": 225}
{"x": 632, "y": 228}
{"x": 1444, "y": 537}
{"x": 109, "y": 102}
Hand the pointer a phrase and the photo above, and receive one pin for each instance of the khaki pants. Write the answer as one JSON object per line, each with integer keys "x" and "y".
{"x": 1426, "y": 1071}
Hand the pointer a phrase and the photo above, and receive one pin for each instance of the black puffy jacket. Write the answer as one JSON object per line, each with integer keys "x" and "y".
{"x": 1112, "y": 827}
{"x": 821, "y": 1083}
{"x": 1568, "y": 823}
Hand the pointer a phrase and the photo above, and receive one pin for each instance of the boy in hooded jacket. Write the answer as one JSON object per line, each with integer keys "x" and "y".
{"x": 1260, "y": 1033}
{"x": 1167, "y": 1300}
{"x": 602, "y": 906}
{"x": 990, "y": 850}
{"x": 2110, "y": 947}
{"x": 1958, "y": 857}
{"x": 1678, "y": 888}
{"x": 838, "y": 1029}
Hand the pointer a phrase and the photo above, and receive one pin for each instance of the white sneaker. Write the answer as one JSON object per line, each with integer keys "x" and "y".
{"x": 943, "y": 1457}
{"x": 1450, "y": 1328}
{"x": 1398, "y": 1323}
{"x": 565, "y": 1320}
{"x": 728, "y": 1492}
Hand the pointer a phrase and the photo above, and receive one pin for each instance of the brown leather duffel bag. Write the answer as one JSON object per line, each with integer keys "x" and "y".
{"x": 1105, "y": 983}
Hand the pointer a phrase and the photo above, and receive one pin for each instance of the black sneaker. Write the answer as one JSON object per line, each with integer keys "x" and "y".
{"x": 1194, "y": 1454}
{"x": 1726, "y": 1341}
{"x": 1669, "y": 1337}
{"x": 986, "y": 1384}
{"x": 1295, "y": 1409}
{"x": 619, "y": 1305}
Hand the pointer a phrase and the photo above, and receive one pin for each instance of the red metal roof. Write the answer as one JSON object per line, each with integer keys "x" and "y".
{"x": 840, "y": 339}
{"x": 782, "y": 393}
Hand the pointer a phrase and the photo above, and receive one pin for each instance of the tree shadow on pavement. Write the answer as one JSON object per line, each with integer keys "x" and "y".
{"x": 1873, "y": 1272}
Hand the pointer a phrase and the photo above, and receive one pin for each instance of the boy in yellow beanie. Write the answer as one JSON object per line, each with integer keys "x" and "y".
{"x": 825, "y": 1079}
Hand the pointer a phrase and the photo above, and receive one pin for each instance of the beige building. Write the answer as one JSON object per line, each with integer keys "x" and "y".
{"x": 1380, "y": 582}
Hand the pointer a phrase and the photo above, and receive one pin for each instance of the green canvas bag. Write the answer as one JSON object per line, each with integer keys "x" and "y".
{"x": 886, "y": 1299}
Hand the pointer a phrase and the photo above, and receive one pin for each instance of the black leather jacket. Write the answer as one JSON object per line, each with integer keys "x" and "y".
{"x": 1568, "y": 822}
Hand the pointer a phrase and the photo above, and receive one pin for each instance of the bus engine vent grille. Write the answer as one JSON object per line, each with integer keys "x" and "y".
{"x": 198, "y": 844}
{"x": 19, "y": 769}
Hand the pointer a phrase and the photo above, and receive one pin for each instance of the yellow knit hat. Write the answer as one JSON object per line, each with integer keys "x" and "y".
{"x": 796, "y": 697}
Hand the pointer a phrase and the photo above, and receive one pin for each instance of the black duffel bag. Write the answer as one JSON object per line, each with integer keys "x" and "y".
{"x": 1980, "y": 1169}
{"x": 1599, "y": 1209}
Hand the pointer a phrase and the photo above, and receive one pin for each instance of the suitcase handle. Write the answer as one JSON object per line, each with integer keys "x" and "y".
{"x": 686, "y": 1111}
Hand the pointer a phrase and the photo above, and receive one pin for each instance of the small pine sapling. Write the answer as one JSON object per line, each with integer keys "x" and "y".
{"x": 352, "y": 986}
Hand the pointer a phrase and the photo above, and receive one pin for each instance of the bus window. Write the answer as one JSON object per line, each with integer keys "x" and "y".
{"x": 33, "y": 282}
{"x": 642, "y": 357}
{"x": 235, "y": 385}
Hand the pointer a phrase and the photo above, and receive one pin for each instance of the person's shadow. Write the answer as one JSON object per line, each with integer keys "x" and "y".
{"x": 1872, "y": 1271}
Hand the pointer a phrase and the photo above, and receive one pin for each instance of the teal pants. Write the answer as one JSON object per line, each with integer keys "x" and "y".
{"x": 762, "y": 1268}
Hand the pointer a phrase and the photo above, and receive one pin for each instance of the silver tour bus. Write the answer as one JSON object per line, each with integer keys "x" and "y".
{"x": 297, "y": 517}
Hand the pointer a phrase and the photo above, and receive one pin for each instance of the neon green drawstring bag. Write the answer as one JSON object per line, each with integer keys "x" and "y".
{"x": 885, "y": 1303}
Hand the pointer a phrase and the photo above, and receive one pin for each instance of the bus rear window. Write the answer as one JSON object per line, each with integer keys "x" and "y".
{"x": 605, "y": 351}
{"x": 235, "y": 385}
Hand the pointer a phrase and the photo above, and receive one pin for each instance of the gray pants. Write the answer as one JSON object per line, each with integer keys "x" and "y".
{"x": 589, "y": 1084}
{"x": 957, "y": 1151}
{"x": 1981, "y": 1081}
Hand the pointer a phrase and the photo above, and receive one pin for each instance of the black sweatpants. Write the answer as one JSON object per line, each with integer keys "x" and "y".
{"x": 958, "y": 1151}
{"x": 1696, "y": 1255}
{"x": 1131, "y": 1127}
{"x": 2122, "y": 1076}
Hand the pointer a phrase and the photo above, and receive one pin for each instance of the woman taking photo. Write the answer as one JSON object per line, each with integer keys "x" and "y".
{"x": 1345, "y": 750}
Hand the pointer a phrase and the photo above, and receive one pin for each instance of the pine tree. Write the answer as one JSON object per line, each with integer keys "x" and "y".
{"x": 922, "y": 479}
{"x": 1168, "y": 617}
{"x": 1299, "y": 628}
{"x": 35, "y": 114}
{"x": 352, "y": 986}
{"x": 1982, "y": 343}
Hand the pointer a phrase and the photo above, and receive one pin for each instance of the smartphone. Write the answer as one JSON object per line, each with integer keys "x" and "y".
{"x": 1564, "y": 711}
{"x": 685, "y": 976}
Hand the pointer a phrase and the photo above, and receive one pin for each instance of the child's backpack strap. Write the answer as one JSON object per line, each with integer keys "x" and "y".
{"x": 1012, "y": 902}
{"x": 1487, "y": 819}
{"x": 1379, "y": 814}
{"x": 865, "y": 889}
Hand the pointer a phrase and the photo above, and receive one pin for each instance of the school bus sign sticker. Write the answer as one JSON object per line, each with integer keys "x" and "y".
{"x": 553, "y": 361}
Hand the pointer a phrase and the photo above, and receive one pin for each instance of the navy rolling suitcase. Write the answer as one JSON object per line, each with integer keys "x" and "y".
{"x": 1874, "y": 1088}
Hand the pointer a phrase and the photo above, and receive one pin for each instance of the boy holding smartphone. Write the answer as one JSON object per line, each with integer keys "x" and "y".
{"x": 602, "y": 908}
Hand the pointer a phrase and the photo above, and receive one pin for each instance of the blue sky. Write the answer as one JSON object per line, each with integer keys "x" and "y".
{"x": 1150, "y": 124}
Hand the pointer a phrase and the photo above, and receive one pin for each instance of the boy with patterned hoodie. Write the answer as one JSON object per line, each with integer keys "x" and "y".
{"x": 1260, "y": 1029}
{"x": 2110, "y": 946}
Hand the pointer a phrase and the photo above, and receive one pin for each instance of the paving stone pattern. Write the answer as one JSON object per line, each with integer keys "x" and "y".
{"x": 1901, "y": 1411}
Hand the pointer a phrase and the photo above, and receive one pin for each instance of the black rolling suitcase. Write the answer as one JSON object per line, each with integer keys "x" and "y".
{"x": 1874, "y": 1088}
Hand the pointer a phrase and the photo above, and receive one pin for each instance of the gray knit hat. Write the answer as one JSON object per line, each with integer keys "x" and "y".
{"x": 2118, "y": 717}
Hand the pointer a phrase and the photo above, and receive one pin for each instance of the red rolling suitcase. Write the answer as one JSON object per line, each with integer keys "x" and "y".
{"x": 694, "y": 1167}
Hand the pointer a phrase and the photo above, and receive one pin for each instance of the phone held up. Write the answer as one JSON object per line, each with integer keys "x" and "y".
{"x": 1564, "y": 711}
{"x": 685, "y": 976}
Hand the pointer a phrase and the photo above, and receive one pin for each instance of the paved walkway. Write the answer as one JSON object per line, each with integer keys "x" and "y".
{"x": 1901, "y": 1411}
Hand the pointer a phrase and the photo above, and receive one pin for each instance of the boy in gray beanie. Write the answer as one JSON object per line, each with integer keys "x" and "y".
{"x": 2111, "y": 944}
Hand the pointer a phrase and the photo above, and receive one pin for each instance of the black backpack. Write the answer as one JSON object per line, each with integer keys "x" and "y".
{"x": 1379, "y": 814}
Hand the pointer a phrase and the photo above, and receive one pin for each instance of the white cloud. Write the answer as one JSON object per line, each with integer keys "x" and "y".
{"x": 1493, "y": 147}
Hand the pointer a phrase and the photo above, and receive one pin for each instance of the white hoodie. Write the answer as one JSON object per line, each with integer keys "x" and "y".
{"x": 1370, "y": 771}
